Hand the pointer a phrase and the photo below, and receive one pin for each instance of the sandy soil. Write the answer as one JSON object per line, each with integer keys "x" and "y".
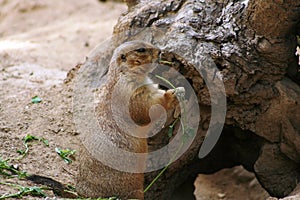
{"x": 39, "y": 42}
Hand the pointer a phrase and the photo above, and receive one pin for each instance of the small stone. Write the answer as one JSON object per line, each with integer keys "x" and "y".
{"x": 221, "y": 195}
{"x": 16, "y": 166}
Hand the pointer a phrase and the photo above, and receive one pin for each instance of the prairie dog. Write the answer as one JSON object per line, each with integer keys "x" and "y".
{"x": 127, "y": 75}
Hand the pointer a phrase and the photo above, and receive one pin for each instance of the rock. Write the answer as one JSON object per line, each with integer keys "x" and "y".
{"x": 277, "y": 168}
{"x": 276, "y": 172}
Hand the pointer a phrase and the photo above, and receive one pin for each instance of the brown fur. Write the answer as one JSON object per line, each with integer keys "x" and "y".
{"x": 128, "y": 69}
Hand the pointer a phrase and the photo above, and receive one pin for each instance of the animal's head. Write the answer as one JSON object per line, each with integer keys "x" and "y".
{"x": 135, "y": 57}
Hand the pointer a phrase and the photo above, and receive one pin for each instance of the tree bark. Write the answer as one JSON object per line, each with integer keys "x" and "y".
{"x": 252, "y": 44}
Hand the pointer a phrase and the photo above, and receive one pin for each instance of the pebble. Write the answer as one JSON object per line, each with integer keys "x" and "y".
{"x": 221, "y": 195}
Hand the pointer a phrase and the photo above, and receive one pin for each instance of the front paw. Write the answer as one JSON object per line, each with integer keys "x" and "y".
{"x": 177, "y": 100}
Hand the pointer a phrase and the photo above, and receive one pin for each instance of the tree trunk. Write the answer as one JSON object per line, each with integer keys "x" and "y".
{"x": 252, "y": 44}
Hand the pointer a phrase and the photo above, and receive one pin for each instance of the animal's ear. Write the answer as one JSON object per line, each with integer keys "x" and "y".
{"x": 123, "y": 58}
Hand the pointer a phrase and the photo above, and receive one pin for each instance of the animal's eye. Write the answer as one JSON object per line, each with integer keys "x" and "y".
{"x": 123, "y": 57}
{"x": 141, "y": 50}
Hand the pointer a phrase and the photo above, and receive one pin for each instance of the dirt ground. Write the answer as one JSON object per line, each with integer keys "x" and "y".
{"x": 39, "y": 42}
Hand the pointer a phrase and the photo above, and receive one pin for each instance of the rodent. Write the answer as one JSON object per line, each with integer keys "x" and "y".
{"x": 129, "y": 67}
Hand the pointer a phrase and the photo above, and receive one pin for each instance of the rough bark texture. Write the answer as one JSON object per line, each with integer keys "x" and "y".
{"x": 252, "y": 44}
